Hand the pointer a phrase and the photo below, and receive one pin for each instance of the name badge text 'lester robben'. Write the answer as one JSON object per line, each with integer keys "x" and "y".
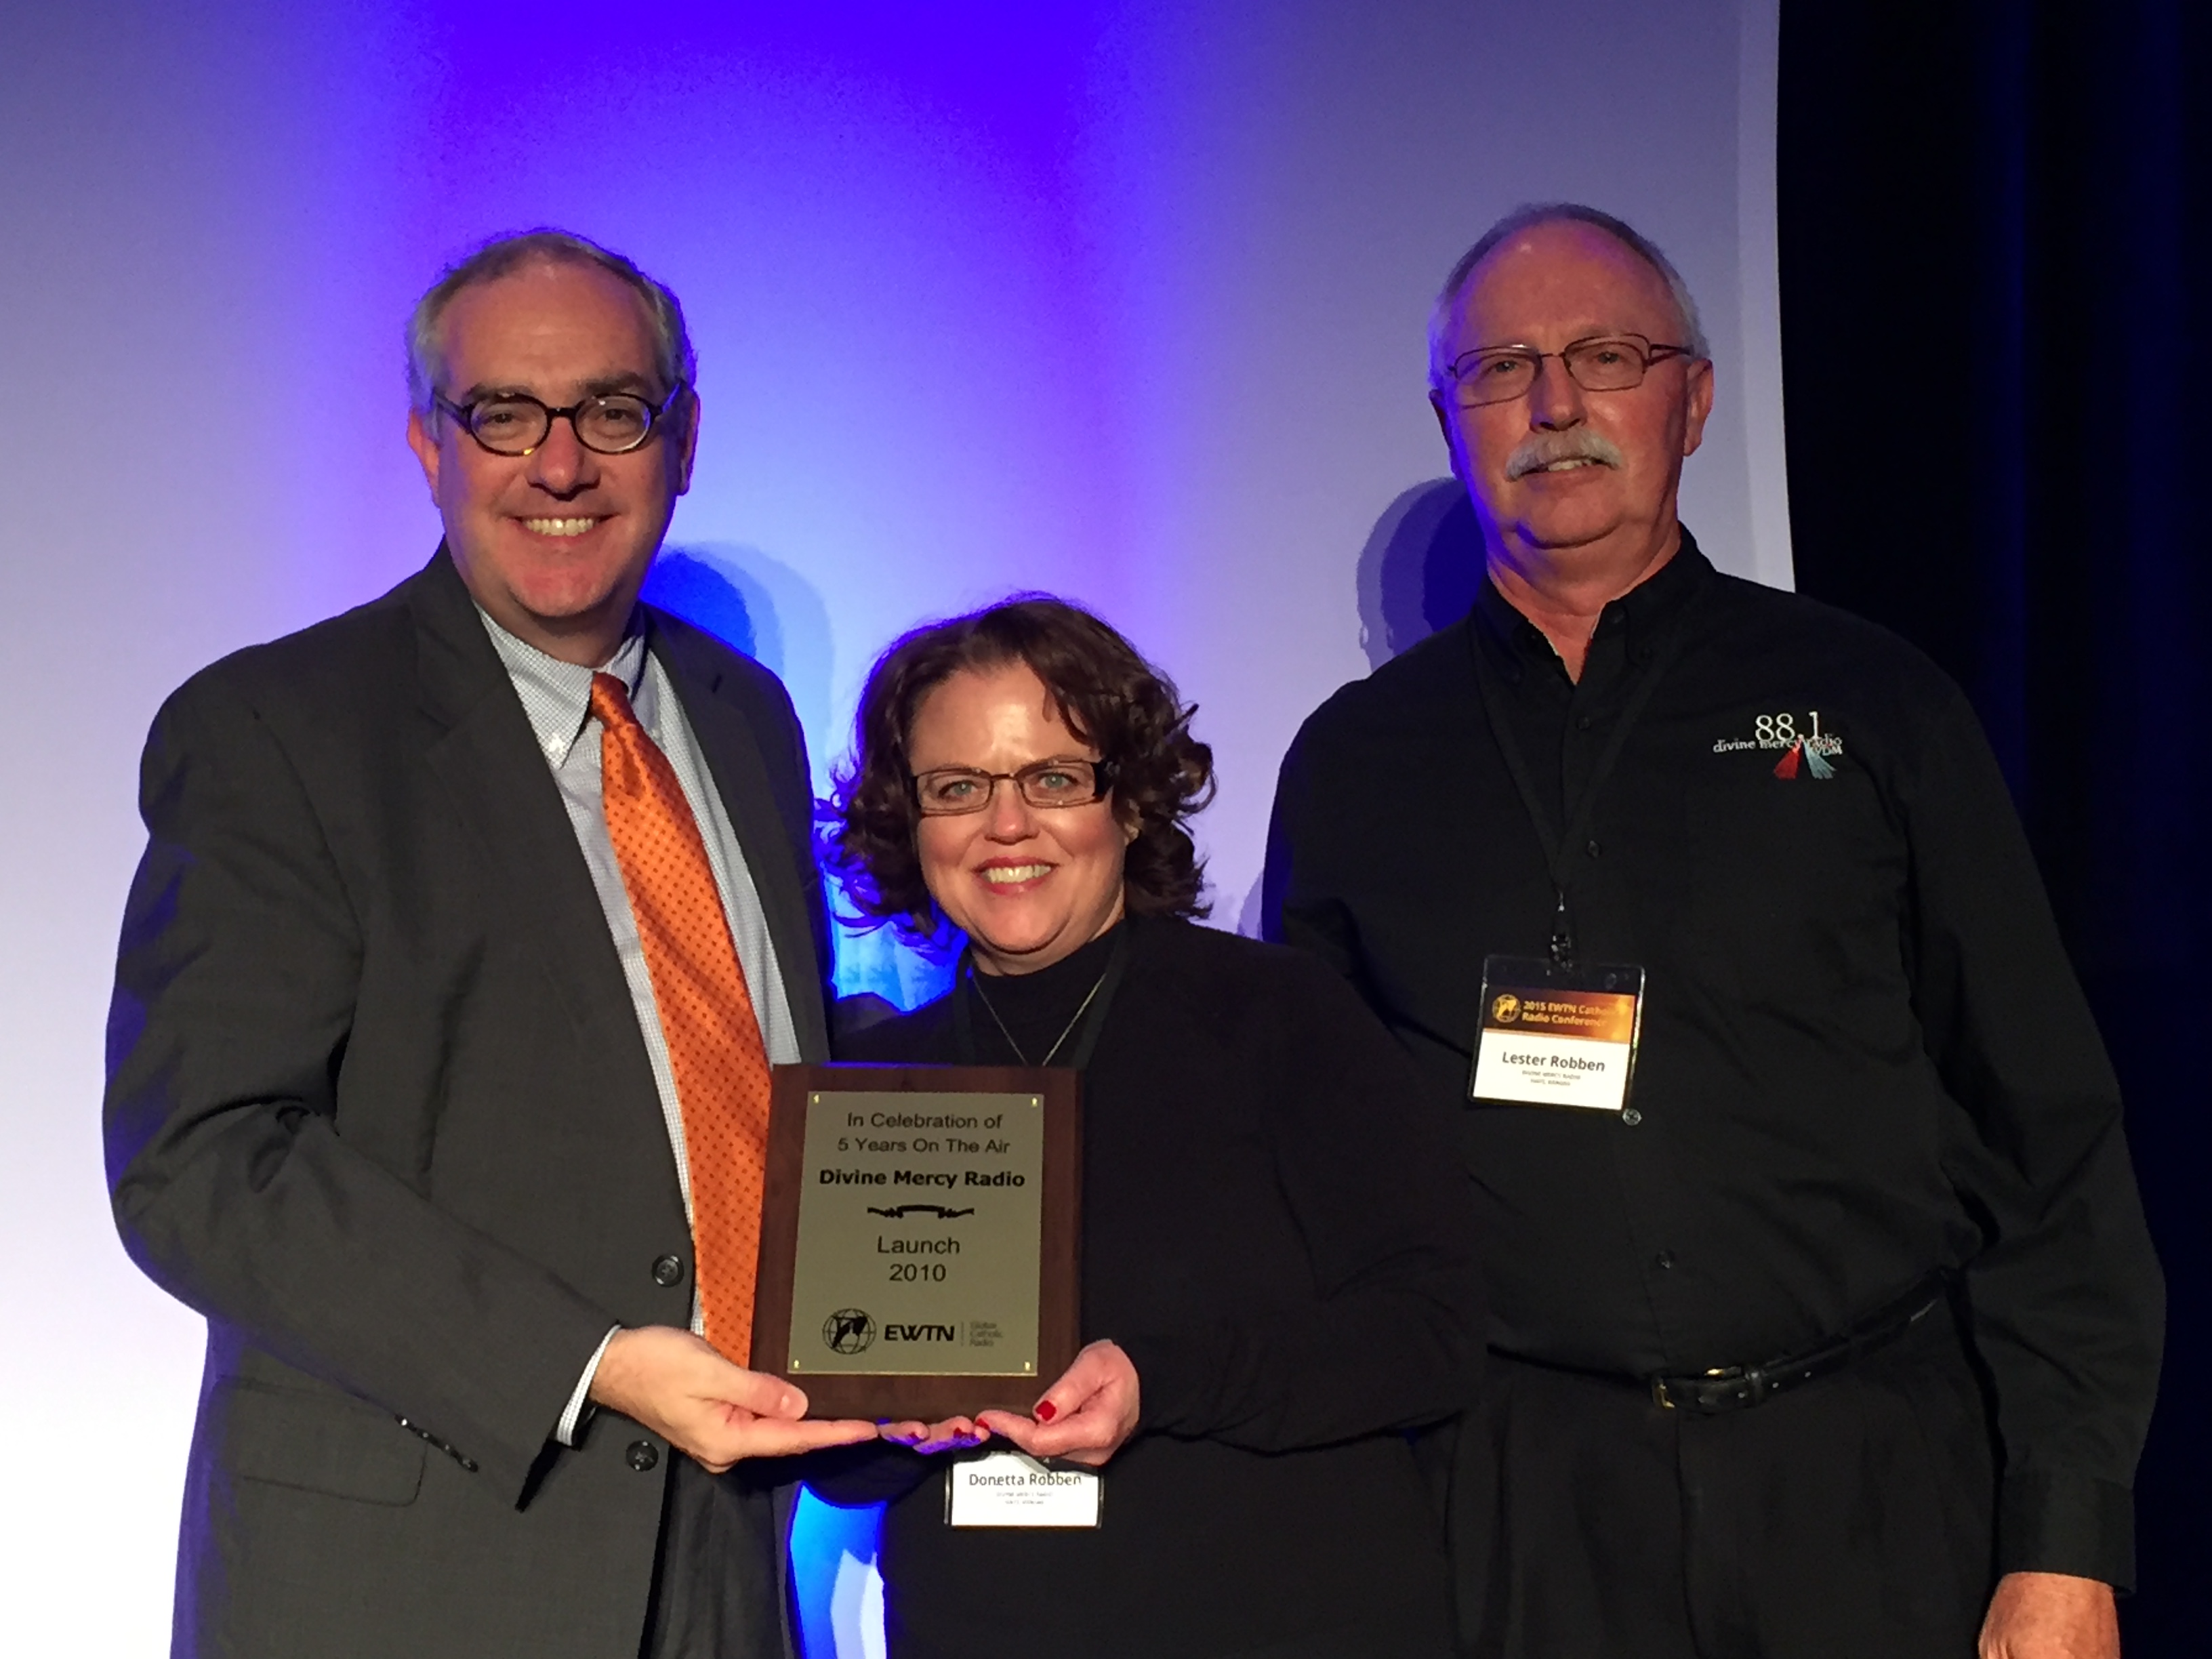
{"x": 1554, "y": 1037}
{"x": 1012, "y": 1489}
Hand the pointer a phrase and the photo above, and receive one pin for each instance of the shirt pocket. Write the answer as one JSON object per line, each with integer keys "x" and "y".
{"x": 1797, "y": 885}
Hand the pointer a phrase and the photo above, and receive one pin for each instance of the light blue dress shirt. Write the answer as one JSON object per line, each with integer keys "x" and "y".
{"x": 556, "y": 698}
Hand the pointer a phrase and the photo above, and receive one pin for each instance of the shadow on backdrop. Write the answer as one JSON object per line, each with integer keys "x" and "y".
{"x": 763, "y": 607}
{"x": 760, "y": 606}
{"x": 1420, "y": 569}
{"x": 1416, "y": 572}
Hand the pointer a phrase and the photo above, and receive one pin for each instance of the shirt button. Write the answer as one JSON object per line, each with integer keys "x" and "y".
{"x": 1631, "y": 1117}
{"x": 1582, "y": 724}
{"x": 1592, "y": 849}
{"x": 1665, "y": 1258}
{"x": 668, "y": 1270}
{"x": 642, "y": 1455}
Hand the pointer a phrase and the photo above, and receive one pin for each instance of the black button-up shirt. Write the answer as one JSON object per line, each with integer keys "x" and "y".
{"x": 1863, "y": 1054}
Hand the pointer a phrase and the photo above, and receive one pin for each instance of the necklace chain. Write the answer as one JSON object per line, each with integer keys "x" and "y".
{"x": 976, "y": 979}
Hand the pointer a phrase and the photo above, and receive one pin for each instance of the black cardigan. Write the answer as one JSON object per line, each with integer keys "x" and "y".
{"x": 1274, "y": 1229}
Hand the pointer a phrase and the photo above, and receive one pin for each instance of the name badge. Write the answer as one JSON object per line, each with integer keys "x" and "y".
{"x": 1557, "y": 1036}
{"x": 1012, "y": 1489}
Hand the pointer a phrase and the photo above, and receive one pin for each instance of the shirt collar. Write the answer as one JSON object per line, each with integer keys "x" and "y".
{"x": 557, "y": 695}
{"x": 1642, "y": 612}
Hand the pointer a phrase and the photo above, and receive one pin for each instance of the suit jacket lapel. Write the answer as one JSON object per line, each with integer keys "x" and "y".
{"x": 490, "y": 764}
{"x": 723, "y": 726}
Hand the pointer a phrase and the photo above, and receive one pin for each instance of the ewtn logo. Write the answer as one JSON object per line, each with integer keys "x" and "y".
{"x": 918, "y": 1332}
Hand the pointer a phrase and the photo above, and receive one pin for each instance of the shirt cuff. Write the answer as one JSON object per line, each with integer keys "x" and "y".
{"x": 1172, "y": 1373}
{"x": 2052, "y": 1521}
{"x": 579, "y": 1403}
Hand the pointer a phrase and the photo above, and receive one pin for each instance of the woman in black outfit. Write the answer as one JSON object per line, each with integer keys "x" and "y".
{"x": 1277, "y": 1285}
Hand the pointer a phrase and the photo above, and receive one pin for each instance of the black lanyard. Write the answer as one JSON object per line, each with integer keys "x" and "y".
{"x": 1539, "y": 818}
{"x": 1094, "y": 1021}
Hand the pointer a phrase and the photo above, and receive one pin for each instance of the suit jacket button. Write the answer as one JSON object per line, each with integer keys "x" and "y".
{"x": 668, "y": 1270}
{"x": 642, "y": 1455}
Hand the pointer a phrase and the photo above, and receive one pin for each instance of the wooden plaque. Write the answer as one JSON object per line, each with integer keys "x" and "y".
{"x": 919, "y": 1253}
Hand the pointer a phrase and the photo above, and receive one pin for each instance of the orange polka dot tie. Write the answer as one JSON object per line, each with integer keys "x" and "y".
{"x": 713, "y": 1036}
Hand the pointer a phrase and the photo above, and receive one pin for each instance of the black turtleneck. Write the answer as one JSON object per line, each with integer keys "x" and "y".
{"x": 1275, "y": 1230}
{"x": 1018, "y": 1018}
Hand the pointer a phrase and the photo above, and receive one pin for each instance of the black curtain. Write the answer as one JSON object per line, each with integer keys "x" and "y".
{"x": 1996, "y": 305}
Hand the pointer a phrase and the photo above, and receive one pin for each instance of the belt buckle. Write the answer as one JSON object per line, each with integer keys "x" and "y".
{"x": 1665, "y": 1397}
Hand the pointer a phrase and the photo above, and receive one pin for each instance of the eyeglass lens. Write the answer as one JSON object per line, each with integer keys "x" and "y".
{"x": 611, "y": 424}
{"x": 1508, "y": 372}
{"x": 949, "y": 789}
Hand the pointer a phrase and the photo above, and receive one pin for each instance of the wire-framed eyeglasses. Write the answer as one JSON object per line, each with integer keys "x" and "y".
{"x": 515, "y": 423}
{"x": 945, "y": 791}
{"x": 1606, "y": 363}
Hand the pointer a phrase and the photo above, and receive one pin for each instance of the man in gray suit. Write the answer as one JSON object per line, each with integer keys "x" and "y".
{"x": 391, "y": 1097}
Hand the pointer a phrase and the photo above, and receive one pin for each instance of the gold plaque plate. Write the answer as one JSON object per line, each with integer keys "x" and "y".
{"x": 918, "y": 1249}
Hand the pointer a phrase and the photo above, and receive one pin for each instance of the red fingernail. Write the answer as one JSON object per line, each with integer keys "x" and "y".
{"x": 1046, "y": 1411}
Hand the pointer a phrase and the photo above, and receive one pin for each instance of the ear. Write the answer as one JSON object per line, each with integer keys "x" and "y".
{"x": 1451, "y": 439}
{"x": 425, "y": 447}
{"x": 1700, "y": 390}
{"x": 688, "y": 451}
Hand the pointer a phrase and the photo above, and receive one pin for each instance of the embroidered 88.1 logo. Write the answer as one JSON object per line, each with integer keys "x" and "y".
{"x": 1805, "y": 747}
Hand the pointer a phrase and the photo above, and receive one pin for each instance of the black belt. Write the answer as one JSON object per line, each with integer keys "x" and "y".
{"x": 1731, "y": 1388}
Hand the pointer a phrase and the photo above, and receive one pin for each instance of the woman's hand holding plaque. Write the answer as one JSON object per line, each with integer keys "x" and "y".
{"x": 1083, "y": 1417}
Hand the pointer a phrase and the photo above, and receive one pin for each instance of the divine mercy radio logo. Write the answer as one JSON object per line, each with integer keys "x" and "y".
{"x": 1805, "y": 747}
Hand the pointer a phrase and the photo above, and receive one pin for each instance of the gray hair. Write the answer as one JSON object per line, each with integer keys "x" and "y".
{"x": 502, "y": 256}
{"x": 1526, "y": 217}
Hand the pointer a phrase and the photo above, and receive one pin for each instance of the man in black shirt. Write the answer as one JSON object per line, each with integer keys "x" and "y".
{"x": 1837, "y": 1331}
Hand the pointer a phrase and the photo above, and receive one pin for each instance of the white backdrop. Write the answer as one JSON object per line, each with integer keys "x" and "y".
{"x": 1123, "y": 300}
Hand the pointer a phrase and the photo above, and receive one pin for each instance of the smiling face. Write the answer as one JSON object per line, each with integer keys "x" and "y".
{"x": 1028, "y": 884}
{"x": 1547, "y": 286}
{"x": 554, "y": 545}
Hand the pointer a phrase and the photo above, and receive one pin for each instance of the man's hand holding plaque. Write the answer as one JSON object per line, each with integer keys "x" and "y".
{"x": 681, "y": 1387}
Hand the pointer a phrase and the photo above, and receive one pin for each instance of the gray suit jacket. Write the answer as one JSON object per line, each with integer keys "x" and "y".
{"x": 378, "y": 1107}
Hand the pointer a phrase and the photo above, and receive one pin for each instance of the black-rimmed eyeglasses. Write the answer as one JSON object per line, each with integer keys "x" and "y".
{"x": 515, "y": 423}
{"x": 943, "y": 791}
{"x": 1608, "y": 362}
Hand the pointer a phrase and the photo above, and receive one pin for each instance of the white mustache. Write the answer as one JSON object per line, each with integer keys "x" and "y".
{"x": 1580, "y": 444}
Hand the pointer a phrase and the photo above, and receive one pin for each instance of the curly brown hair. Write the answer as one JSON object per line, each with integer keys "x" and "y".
{"x": 1107, "y": 694}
